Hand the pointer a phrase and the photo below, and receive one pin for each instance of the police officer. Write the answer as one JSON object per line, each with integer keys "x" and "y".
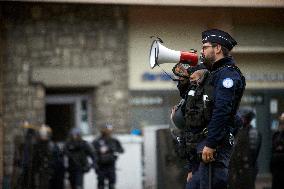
{"x": 243, "y": 165}
{"x": 189, "y": 119}
{"x": 106, "y": 149}
{"x": 227, "y": 85}
{"x": 195, "y": 122}
{"x": 23, "y": 158}
{"x": 78, "y": 151}
{"x": 186, "y": 115}
{"x": 58, "y": 166}
{"x": 43, "y": 158}
{"x": 277, "y": 159}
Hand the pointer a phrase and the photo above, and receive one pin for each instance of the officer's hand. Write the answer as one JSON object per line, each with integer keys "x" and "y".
{"x": 180, "y": 70}
{"x": 208, "y": 154}
{"x": 189, "y": 176}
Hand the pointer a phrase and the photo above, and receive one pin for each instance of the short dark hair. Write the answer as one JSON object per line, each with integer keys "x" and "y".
{"x": 224, "y": 49}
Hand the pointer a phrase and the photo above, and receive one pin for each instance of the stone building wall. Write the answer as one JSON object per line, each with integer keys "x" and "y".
{"x": 61, "y": 36}
{"x": 1, "y": 105}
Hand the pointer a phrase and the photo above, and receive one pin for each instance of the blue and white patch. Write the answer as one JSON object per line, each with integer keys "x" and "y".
{"x": 228, "y": 83}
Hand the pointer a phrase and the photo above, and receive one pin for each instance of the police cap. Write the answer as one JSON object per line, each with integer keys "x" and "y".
{"x": 220, "y": 37}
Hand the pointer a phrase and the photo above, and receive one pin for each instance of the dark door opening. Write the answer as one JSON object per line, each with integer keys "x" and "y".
{"x": 60, "y": 117}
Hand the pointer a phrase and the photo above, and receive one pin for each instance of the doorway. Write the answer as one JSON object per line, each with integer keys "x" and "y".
{"x": 65, "y": 111}
{"x": 60, "y": 117}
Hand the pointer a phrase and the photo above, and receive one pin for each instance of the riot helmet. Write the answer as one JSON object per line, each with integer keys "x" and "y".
{"x": 177, "y": 121}
{"x": 247, "y": 115}
{"x": 75, "y": 133}
{"x": 178, "y": 118}
{"x": 44, "y": 132}
{"x": 107, "y": 130}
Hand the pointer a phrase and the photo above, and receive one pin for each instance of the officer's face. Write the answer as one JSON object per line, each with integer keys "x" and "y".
{"x": 281, "y": 125}
{"x": 196, "y": 76}
{"x": 208, "y": 54}
{"x": 75, "y": 136}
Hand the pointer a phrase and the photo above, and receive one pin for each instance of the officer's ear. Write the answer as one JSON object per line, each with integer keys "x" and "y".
{"x": 218, "y": 48}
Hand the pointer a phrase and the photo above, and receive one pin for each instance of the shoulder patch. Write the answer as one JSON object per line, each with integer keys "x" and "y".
{"x": 228, "y": 83}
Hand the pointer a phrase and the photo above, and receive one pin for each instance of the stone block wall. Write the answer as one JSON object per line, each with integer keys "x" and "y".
{"x": 1, "y": 106}
{"x": 61, "y": 36}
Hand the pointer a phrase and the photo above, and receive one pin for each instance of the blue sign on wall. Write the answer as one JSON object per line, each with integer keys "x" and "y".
{"x": 147, "y": 76}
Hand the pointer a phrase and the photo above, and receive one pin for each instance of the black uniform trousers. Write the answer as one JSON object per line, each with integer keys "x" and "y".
{"x": 106, "y": 172}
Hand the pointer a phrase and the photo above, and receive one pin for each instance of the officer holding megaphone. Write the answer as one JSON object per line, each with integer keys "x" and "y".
{"x": 210, "y": 109}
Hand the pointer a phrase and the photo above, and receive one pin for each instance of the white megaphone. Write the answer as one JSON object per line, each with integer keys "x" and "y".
{"x": 160, "y": 54}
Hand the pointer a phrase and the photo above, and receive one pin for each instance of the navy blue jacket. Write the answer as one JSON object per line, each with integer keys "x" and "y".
{"x": 228, "y": 87}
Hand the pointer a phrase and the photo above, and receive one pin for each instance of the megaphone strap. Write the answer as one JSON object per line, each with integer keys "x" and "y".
{"x": 174, "y": 79}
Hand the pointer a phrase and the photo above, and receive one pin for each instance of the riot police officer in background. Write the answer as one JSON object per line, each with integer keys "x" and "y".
{"x": 186, "y": 137}
{"x": 23, "y": 176}
{"x": 43, "y": 158}
{"x": 106, "y": 151}
{"x": 277, "y": 159}
{"x": 225, "y": 88}
{"x": 78, "y": 151}
{"x": 243, "y": 165}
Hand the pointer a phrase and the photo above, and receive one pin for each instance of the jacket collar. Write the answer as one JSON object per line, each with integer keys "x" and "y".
{"x": 222, "y": 62}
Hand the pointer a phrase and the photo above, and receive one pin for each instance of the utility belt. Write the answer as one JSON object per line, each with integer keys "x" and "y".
{"x": 193, "y": 139}
{"x": 196, "y": 137}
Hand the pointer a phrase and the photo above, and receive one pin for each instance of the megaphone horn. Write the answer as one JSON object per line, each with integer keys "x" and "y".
{"x": 160, "y": 54}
